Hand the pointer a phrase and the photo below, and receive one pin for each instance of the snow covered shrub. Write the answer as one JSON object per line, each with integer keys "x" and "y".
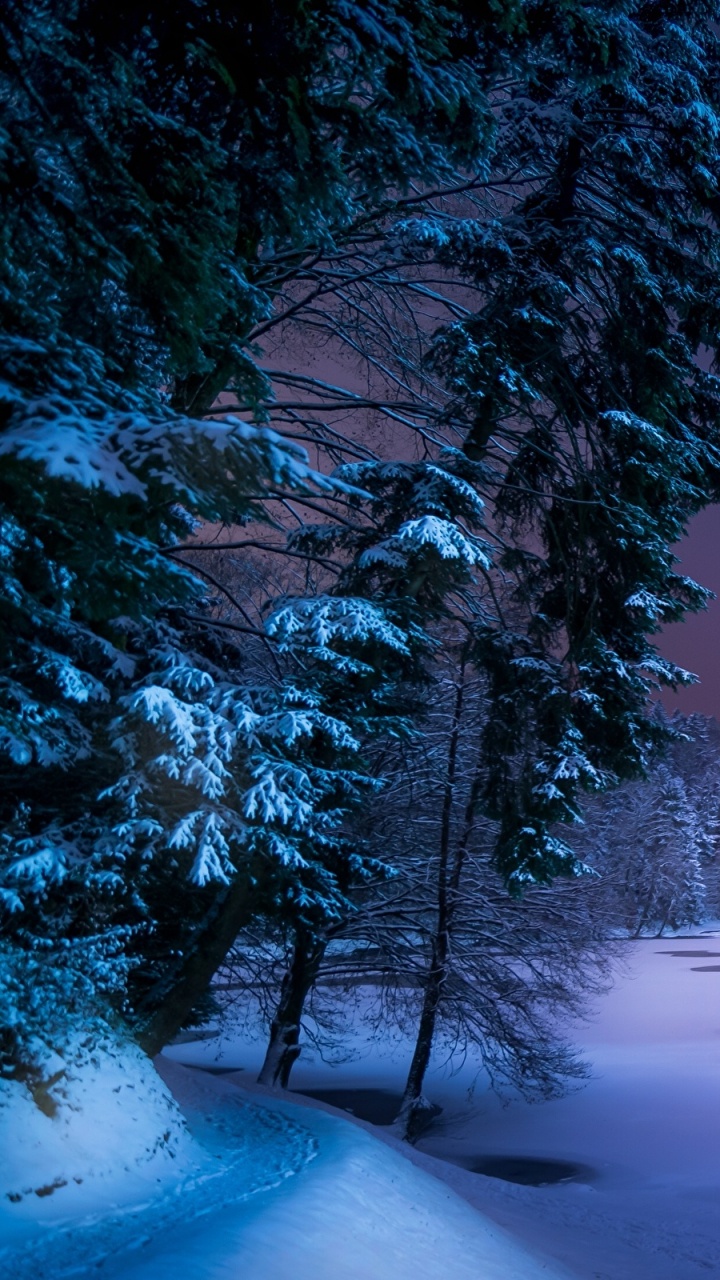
{"x": 52, "y": 992}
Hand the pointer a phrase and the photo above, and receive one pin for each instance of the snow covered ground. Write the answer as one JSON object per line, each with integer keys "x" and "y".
{"x": 114, "y": 1190}
{"x": 356, "y": 1208}
{"x": 269, "y": 1188}
{"x": 647, "y": 1126}
{"x": 359, "y": 1211}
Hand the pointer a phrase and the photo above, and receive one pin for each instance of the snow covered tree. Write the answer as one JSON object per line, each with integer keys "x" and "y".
{"x": 440, "y": 951}
{"x": 418, "y": 546}
{"x": 580, "y": 383}
{"x": 151, "y": 158}
{"x": 179, "y": 183}
{"x": 695, "y": 760}
{"x": 587, "y": 471}
{"x": 562, "y": 298}
{"x": 646, "y": 842}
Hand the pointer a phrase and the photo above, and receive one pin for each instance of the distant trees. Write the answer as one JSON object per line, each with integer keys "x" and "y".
{"x": 654, "y": 843}
{"x": 651, "y": 854}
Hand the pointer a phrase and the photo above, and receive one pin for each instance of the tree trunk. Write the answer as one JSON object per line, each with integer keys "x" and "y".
{"x": 166, "y": 1008}
{"x": 196, "y": 394}
{"x": 284, "y": 1046}
{"x": 416, "y": 1111}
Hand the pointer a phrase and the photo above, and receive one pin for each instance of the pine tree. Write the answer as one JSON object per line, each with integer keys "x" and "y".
{"x": 579, "y": 382}
{"x": 440, "y": 951}
{"x": 579, "y": 267}
{"x": 173, "y": 179}
{"x": 421, "y": 544}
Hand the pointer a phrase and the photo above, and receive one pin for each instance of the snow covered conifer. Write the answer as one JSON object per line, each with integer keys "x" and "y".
{"x": 577, "y": 378}
{"x": 151, "y": 157}
{"x": 168, "y": 170}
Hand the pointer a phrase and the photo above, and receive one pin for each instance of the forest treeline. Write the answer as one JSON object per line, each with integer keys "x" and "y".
{"x": 358, "y": 379}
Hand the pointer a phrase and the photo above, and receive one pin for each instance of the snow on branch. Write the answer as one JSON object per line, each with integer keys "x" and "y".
{"x": 201, "y": 463}
{"x": 327, "y": 620}
{"x": 429, "y": 533}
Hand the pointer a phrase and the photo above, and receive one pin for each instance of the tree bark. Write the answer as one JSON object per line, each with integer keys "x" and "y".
{"x": 284, "y": 1046}
{"x": 415, "y": 1110}
{"x": 197, "y": 394}
{"x": 165, "y": 1009}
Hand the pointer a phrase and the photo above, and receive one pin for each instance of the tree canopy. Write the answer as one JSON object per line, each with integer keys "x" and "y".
{"x": 504, "y": 216}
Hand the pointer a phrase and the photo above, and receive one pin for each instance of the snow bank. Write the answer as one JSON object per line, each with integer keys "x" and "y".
{"x": 105, "y": 1130}
{"x": 358, "y": 1209}
{"x": 362, "y": 1211}
{"x": 120, "y": 1162}
{"x": 365, "y": 1208}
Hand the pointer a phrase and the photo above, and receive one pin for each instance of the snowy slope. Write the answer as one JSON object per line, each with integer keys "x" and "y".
{"x": 120, "y": 1201}
{"x": 363, "y": 1207}
{"x": 356, "y": 1208}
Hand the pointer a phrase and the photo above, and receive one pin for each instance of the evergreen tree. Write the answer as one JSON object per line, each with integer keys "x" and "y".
{"x": 152, "y": 160}
{"x": 580, "y": 270}
{"x": 440, "y": 951}
{"x": 580, "y": 387}
{"x": 171, "y": 177}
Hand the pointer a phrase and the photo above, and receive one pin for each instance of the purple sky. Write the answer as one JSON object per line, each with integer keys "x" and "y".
{"x": 695, "y": 644}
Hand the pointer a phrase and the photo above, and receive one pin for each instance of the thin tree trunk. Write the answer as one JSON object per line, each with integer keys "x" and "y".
{"x": 196, "y": 394}
{"x": 284, "y": 1046}
{"x": 415, "y": 1110}
{"x": 642, "y": 921}
{"x": 663, "y": 926}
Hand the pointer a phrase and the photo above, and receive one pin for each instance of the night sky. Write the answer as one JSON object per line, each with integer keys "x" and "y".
{"x": 695, "y": 644}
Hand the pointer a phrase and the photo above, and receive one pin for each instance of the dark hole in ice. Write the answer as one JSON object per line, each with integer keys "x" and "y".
{"x": 213, "y": 1069}
{"x": 378, "y": 1106}
{"x": 690, "y": 955}
{"x": 706, "y": 968}
{"x": 530, "y": 1171}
